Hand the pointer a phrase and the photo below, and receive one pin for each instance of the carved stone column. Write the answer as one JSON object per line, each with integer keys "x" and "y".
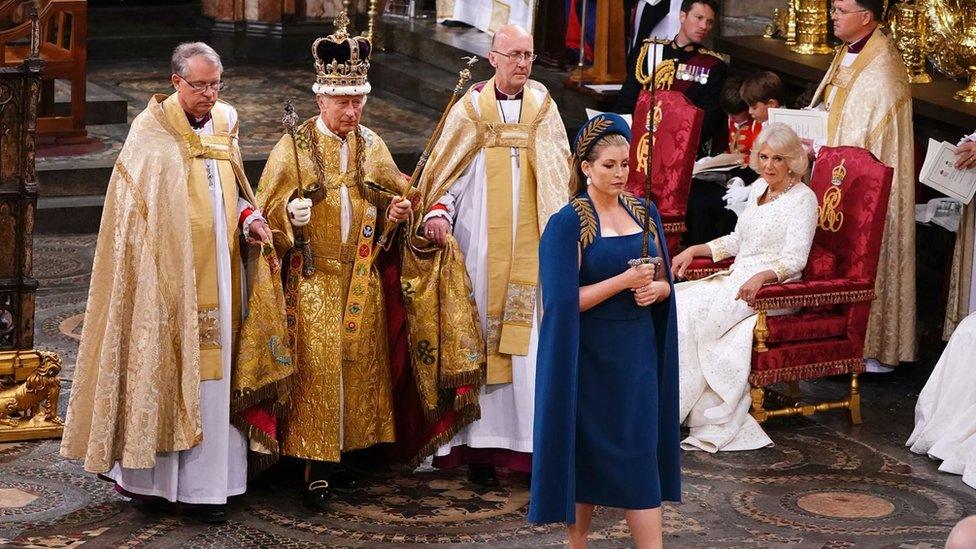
{"x": 29, "y": 384}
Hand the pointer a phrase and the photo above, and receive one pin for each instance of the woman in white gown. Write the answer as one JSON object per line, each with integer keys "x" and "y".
{"x": 770, "y": 243}
{"x": 945, "y": 414}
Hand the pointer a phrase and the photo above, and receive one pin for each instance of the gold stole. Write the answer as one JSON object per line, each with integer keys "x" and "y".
{"x": 842, "y": 78}
{"x": 218, "y": 147}
{"x": 513, "y": 266}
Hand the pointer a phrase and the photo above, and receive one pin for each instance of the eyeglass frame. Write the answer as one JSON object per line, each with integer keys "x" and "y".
{"x": 518, "y": 57}
{"x": 842, "y": 12}
{"x": 217, "y": 87}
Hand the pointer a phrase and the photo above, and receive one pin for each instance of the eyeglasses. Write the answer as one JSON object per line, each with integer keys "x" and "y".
{"x": 841, "y": 12}
{"x": 519, "y": 56}
{"x": 203, "y": 87}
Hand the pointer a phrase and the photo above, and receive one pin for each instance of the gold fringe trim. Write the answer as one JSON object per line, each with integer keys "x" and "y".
{"x": 257, "y": 462}
{"x": 453, "y": 381}
{"x": 676, "y": 227}
{"x": 807, "y": 371}
{"x": 465, "y": 418}
{"x": 695, "y": 274}
{"x": 273, "y": 390}
{"x": 813, "y": 300}
{"x": 468, "y": 399}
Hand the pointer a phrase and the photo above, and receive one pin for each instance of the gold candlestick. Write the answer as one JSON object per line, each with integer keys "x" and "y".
{"x": 790, "y": 29}
{"x": 811, "y": 28}
{"x": 908, "y": 29}
{"x": 372, "y": 13}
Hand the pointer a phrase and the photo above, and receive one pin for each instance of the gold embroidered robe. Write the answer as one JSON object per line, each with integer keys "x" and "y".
{"x": 338, "y": 403}
{"x": 151, "y": 331}
{"x": 541, "y": 138}
{"x": 872, "y": 109}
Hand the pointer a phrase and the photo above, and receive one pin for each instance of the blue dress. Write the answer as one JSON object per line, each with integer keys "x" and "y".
{"x": 606, "y": 423}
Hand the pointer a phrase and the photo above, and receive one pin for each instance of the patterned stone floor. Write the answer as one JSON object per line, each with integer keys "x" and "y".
{"x": 258, "y": 92}
{"x": 825, "y": 484}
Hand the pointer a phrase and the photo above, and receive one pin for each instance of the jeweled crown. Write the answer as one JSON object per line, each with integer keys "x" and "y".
{"x": 341, "y": 61}
{"x": 838, "y": 174}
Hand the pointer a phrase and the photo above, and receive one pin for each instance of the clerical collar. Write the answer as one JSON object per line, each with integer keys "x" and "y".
{"x": 856, "y": 47}
{"x": 197, "y": 124}
{"x": 502, "y": 96}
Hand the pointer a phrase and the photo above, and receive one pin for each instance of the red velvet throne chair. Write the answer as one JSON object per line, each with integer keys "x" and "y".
{"x": 825, "y": 337}
{"x": 676, "y": 127}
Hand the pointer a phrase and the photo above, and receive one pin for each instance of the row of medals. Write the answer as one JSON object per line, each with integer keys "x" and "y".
{"x": 691, "y": 73}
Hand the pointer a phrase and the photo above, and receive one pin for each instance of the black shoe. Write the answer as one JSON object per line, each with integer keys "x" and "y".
{"x": 317, "y": 495}
{"x": 483, "y": 474}
{"x": 212, "y": 514}
{"x": 344, "y": 479}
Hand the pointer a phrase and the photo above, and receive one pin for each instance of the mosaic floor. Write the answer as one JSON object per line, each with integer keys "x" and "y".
{"x": 824, "y": 483}
{"x": 258, "y": 92}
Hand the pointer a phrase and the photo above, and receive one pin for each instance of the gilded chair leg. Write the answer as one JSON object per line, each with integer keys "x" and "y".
{"x": 855, "y": 401}
{"x": 760, "y": 333}
{"x": 758, "y": 396}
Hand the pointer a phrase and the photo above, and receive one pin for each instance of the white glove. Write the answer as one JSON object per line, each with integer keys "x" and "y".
{"x": 300, "y": 211}
{"x": 738, "y": 192}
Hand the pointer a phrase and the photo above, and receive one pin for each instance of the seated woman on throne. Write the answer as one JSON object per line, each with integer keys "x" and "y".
{"x": 771, "y": 241}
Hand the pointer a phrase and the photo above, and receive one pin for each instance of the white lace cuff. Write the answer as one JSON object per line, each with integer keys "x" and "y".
{"x": 246, "y": 226}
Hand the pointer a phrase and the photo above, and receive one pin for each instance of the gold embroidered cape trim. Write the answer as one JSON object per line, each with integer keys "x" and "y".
{"x": 587, "y": 216}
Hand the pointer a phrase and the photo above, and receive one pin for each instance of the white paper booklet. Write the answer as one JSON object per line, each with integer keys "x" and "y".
{"x": 807, "y": 123}
{"x": 938, "y": 172}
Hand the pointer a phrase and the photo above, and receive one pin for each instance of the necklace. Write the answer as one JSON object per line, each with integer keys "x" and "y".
{"x": 779, "y": 194}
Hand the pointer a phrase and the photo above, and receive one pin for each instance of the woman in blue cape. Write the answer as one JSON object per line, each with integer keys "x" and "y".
{"x": 606, "y": 404}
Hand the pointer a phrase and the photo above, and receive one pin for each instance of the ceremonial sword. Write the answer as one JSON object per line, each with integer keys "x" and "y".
{"x": 646, "y": 259}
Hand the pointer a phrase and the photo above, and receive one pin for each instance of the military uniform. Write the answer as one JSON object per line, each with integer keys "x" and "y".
{"x": 693, "y": 70}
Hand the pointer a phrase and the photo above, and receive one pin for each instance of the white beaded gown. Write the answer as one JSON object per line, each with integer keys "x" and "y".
{"x": 715, "y": 329}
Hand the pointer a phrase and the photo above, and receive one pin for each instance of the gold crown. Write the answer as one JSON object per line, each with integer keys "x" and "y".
{"x": 341, "y": 61}
{"x": 838, "y": 174}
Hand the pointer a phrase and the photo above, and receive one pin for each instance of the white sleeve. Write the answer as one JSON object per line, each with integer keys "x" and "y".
{"x": 451, "y": 196}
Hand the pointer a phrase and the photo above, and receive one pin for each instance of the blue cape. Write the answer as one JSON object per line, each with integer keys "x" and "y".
{"x": 554, "y": 445}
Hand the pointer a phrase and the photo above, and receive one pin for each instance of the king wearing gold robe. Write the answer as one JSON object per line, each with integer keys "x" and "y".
{"x": 342, "y": 396}
{"x": 869, "y": 105}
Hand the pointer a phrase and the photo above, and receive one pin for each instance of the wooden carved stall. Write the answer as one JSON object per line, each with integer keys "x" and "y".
{"x": 29, "y": 384}
{"x": 61, "y": 36}
{"x": 609, "y": 46}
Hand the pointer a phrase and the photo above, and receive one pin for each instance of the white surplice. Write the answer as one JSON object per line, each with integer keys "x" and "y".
{"x": 715, "y": 329}
{"x": 945, "y": 414}
{"x": 507, "y": 410}
{"x": 217, "y": 467}
{"x": 488, "y": 15}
